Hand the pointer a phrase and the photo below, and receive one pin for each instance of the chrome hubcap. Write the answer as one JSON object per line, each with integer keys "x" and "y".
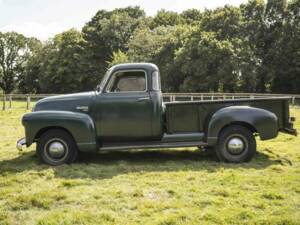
{"x": 235, "y": 145}
{"x": 56, "y": 149}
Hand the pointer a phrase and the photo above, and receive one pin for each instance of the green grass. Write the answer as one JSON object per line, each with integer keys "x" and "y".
{"x": 183, "y": 186}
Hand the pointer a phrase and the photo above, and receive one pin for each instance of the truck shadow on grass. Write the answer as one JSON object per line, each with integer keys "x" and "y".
{"x": 106, "y": 165}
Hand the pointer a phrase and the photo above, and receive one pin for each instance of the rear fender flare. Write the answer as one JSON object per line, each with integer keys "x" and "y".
{"x": 264, "y": 122}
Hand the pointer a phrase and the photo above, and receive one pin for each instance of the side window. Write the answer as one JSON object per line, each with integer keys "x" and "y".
{"x": 155, "y": 81}
{"x": 127, "y": 81}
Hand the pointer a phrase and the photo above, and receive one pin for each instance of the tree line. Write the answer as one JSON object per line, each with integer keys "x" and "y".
{"x": 251, "y": 48}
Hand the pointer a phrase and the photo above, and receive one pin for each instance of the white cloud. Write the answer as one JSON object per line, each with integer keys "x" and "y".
{"x": 32, "y": 29}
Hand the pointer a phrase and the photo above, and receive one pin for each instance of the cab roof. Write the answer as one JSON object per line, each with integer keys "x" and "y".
{"x": 145, "y": 66}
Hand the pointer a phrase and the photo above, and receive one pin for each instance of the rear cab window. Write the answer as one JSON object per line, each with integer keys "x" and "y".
{"x": 156, "y": 81}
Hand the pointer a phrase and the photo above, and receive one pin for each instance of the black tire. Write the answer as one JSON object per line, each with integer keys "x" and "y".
{"x": 56, "y": 147}
{"x": 236, "y": 144}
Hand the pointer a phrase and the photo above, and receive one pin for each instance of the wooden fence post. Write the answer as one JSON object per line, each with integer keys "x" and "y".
{"x": 28, "y": 102}
{"x": 10, "y": 101}
{"x": 192, "y": 98}
{"x": 202, "y": 97}
{"x": 293, "y": 100}
{"x": 4, "y": 100}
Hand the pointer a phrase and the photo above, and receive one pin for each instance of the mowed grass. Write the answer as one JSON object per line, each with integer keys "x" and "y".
{"x": 182, "y": 186}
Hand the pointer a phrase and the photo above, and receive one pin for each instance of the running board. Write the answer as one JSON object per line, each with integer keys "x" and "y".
{"x": 153, "y": 145}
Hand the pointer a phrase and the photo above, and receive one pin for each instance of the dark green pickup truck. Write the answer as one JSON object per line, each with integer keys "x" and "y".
{"x": 127, "y": 112}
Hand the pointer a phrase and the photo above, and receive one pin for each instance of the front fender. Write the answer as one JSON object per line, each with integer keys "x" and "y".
{"x": 264, "y": 122}
{"x": 80, "y": 125}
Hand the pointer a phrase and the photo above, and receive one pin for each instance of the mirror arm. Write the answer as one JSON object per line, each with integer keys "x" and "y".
{"x": 98, "y": 88}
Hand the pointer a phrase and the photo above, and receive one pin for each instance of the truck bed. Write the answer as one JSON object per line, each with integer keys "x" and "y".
{"x": 193, "y": 116}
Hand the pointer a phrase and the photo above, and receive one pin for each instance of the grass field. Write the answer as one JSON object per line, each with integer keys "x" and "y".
{"x": 183, "y": 186}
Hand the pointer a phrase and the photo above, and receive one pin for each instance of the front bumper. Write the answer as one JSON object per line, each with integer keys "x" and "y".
{"x": 20, "y": 143}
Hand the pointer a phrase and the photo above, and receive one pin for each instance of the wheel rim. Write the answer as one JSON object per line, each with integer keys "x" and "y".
{"x": 236, "y": 145}
{"x": 56, "y": 150}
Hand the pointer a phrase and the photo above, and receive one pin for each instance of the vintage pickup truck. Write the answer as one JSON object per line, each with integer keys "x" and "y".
{"x": 127, "y": 112}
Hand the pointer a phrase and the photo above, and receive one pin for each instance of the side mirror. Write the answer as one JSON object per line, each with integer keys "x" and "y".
{"x": 98, "y": 88}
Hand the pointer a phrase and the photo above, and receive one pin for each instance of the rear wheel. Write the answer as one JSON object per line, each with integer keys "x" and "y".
{"x": 56, "y": 147}
{"x": 236, "y": 144}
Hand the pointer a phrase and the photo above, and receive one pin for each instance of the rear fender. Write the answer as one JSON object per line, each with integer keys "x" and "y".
{"x": 264, "y": 122}
{"x": 79, "y": 125}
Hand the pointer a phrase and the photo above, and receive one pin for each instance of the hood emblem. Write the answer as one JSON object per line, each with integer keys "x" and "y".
{"x": 82, "y": 108}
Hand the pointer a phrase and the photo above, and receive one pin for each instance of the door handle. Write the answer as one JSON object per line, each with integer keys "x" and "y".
{"x": 143, "y": 99}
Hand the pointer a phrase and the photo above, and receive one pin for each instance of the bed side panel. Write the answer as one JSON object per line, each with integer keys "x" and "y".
{"x": 183, "y": 118}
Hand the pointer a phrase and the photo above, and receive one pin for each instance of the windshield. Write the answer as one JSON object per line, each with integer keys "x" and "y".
{"x": 104, "y": 80}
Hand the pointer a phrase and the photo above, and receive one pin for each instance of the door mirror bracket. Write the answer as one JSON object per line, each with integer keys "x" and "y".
{"x": 98, "y": 88}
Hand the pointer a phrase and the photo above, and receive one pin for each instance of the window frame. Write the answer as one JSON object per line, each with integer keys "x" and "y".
{"x": 156, "y": 80}
{"x": 111, "y": 80}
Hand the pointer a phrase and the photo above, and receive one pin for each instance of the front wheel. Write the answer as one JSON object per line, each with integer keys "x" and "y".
{"x": 236, "y": 144}
{"x": 56, "y": 147}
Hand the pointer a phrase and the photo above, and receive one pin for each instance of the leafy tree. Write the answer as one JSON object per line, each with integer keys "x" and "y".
{"x": 165, "y": 18}
{"x": 172, "y": 77}
{"x": 224, "y": 22}
{"x": 159, "y": 46}
{"x": 146, "y": 43}
{"x": 15, "y": 49}
{"x": 28, "y": 81}
{"x": 118, "y": 58}
{"x": 109, "y": 32}
{"x": 251, "y": 48}
{"x": 191, "y": 16}
{"x": 207, "y": 63}
{"x": 262, "y": 29}
{"x": 286, "y": 66}
{"x": 62, "y": 65}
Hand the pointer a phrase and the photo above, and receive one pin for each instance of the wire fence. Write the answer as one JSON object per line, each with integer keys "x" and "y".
{"x": 27, "y": 101}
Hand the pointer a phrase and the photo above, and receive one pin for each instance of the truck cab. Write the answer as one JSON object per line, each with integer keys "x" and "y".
{"x": 128, "y": 104}
{"x": 126, "y": 111}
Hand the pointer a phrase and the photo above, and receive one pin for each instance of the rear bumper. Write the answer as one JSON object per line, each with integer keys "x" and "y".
{"x": 289, "y": 127}
{"x": 20, "y": 143}
{"x": 291, "y": 131}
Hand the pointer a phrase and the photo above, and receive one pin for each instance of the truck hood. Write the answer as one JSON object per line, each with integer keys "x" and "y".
{"x": 78, "y": 102}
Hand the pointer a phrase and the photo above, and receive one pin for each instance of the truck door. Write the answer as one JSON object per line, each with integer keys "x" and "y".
{"x": 125, "y": 108}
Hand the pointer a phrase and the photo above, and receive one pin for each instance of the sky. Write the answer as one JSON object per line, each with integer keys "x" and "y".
{"x": 45, "y": 18}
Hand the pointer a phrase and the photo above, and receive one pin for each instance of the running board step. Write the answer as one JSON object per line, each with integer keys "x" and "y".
{"x": 153, "y": 145}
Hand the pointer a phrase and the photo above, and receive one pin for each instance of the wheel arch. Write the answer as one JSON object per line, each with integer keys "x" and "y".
{"x": 242, "y": 124}
{"x": 260, "y": 121}
{"x": 46, "y": 129}
{"x": 80, "y": 126}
